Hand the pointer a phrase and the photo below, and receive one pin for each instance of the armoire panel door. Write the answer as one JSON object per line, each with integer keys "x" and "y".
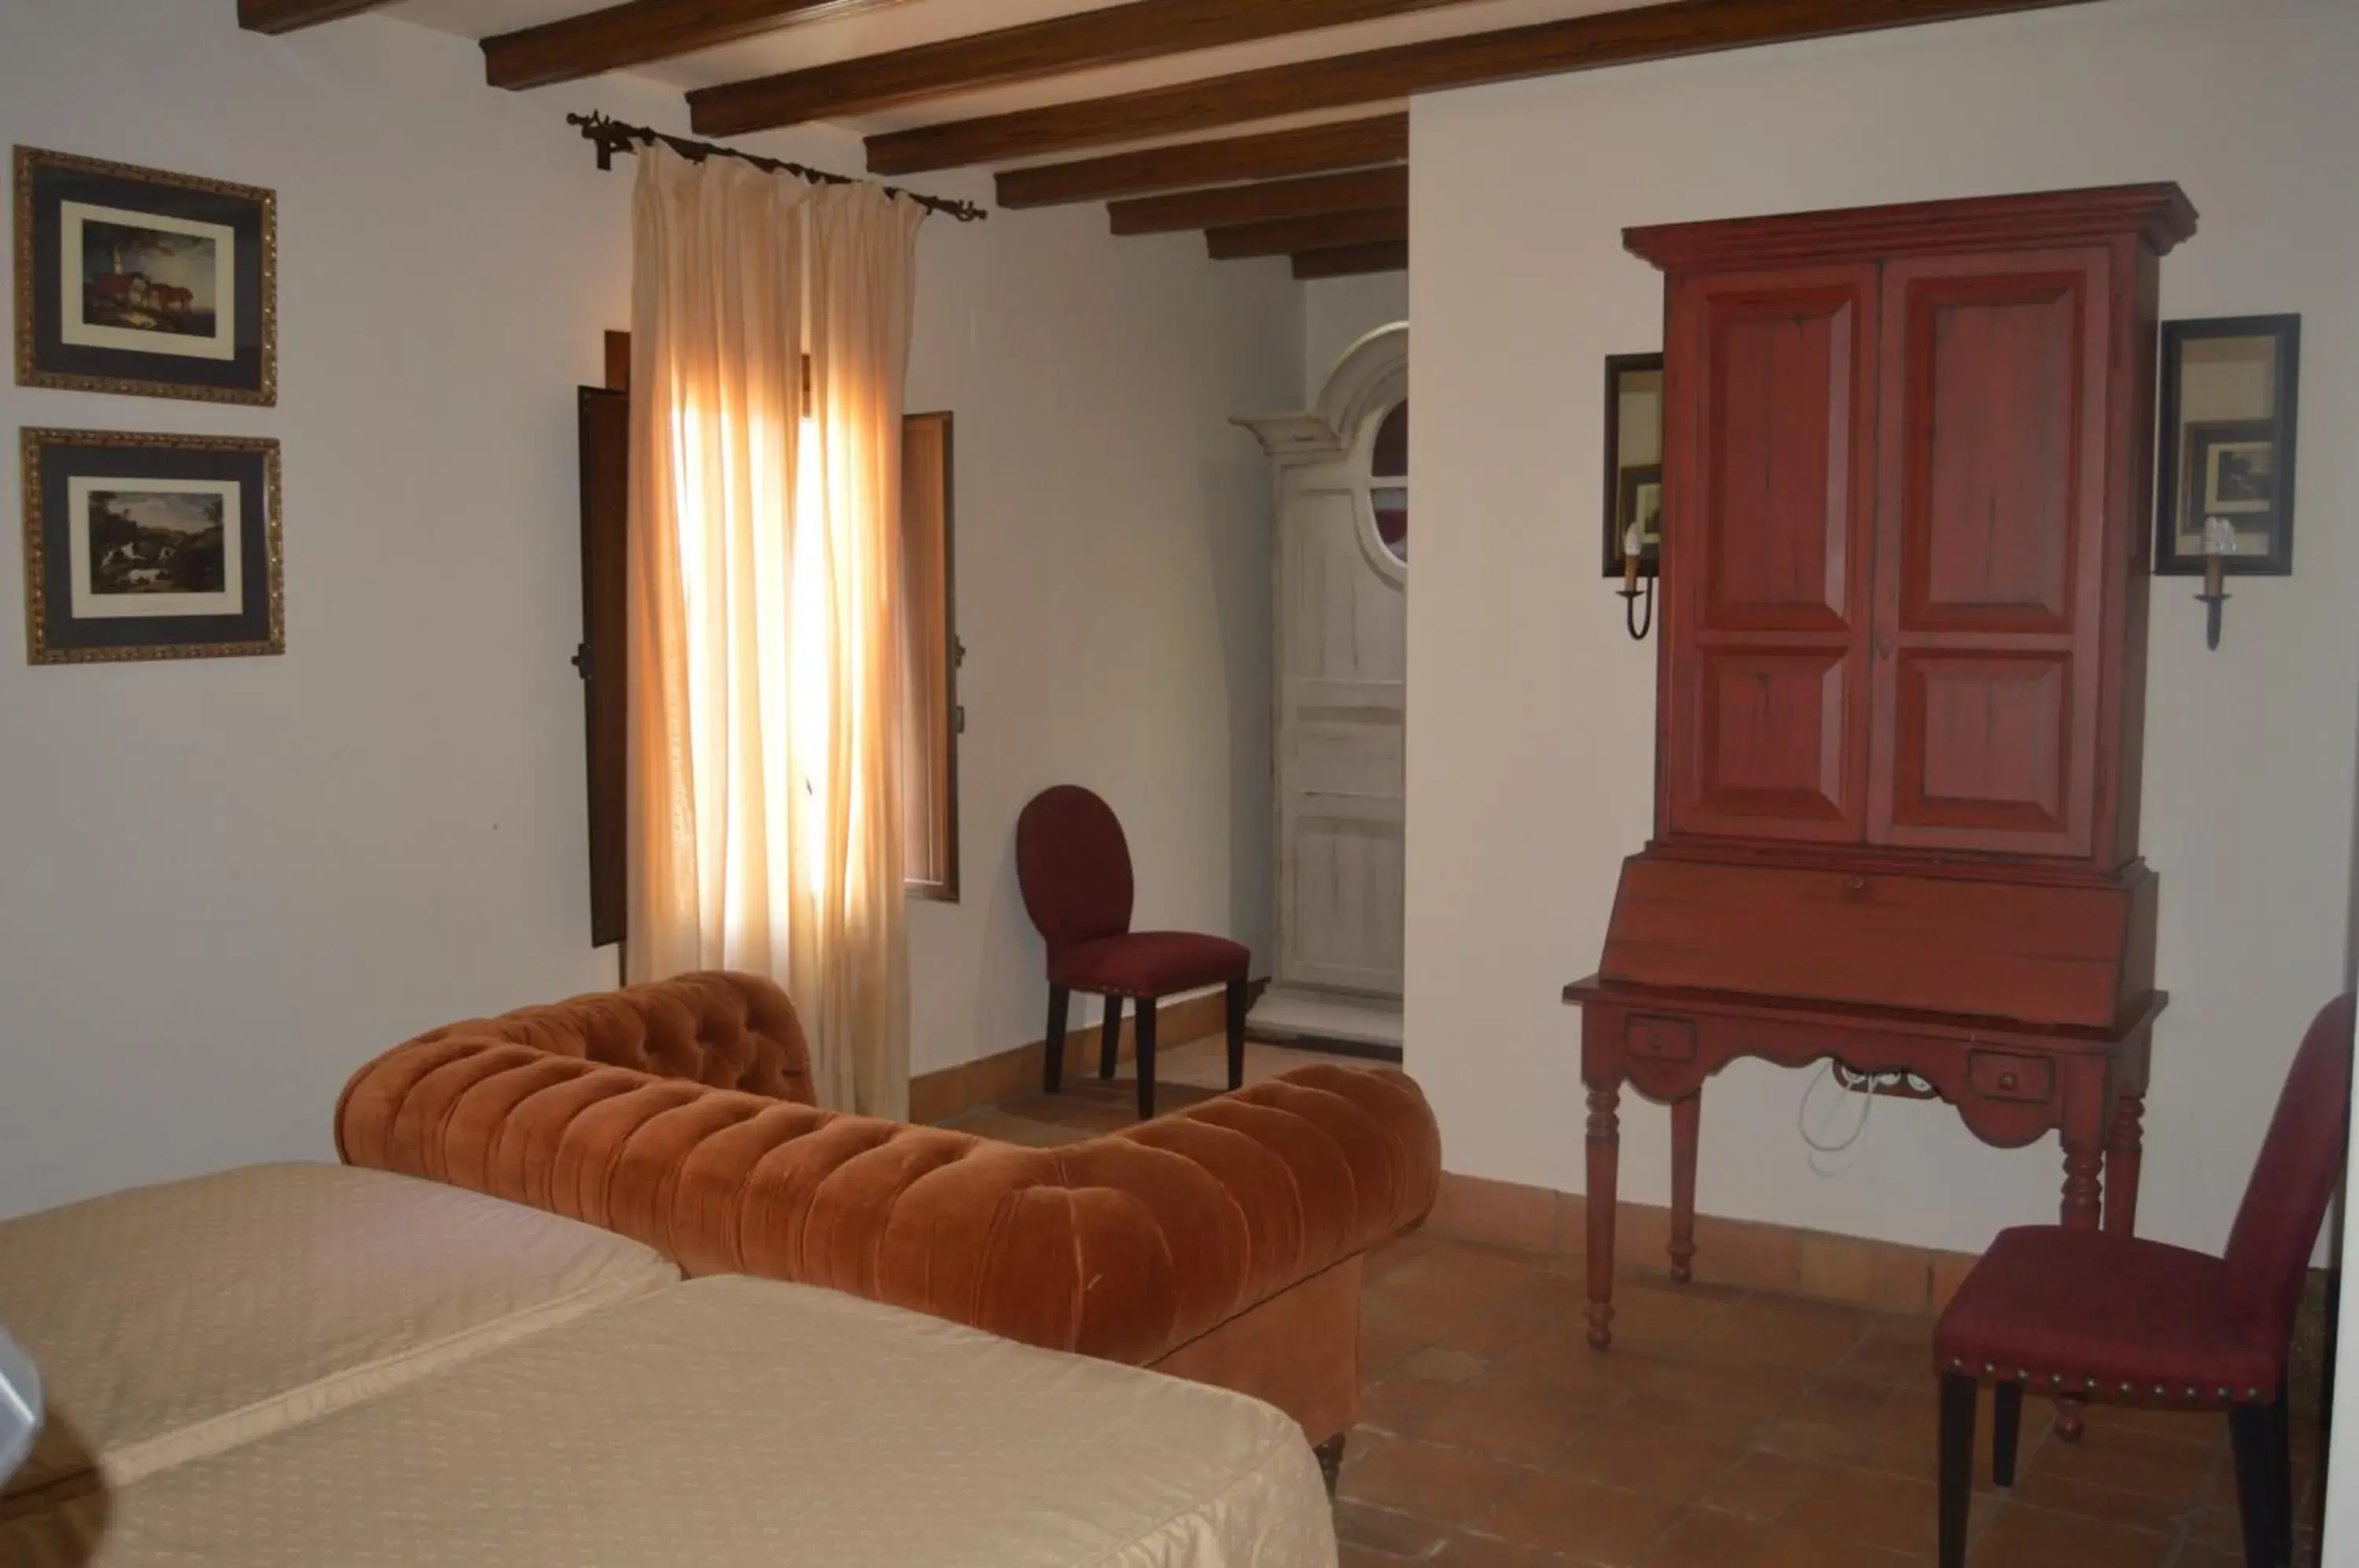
{"x": 1990, "y": 537}
{"x": 1342, "y": 744}
{"x": 1769, "y": 460}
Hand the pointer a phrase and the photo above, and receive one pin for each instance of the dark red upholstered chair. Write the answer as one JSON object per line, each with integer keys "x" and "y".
{"x": 2116, "y": 1320}
{"x": 1074, "y": 865}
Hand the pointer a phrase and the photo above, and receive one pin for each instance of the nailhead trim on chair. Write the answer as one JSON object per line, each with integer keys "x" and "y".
{"x": 2063, "y": 1383}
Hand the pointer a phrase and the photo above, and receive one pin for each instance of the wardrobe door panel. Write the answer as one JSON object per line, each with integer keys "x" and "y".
{"x": 1769, "y": 462}
{"x": 1984, "y": 741}
{"x": 1774, "y": 731}
{"x": 1989, "y": 546}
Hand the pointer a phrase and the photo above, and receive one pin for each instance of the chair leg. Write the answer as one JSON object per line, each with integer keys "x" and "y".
{"x": 2006, "y": 1425}
{"x": 1109, "y": 1050}
{"x": 1331, "y": 1462}
{"x": 2281, "y": 1472}
{"x": 1957, "y": 1464}
{"x": 1145, "y": 1032}
{"x": 2252, "y": 1431}
{"x": 1060, "y": 1001}
{"x": 1237, "y": 1034}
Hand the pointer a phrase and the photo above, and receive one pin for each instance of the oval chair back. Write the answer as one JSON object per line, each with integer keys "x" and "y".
{"x": 1073, "y": 865}
{"x": 2292, "y": 1183}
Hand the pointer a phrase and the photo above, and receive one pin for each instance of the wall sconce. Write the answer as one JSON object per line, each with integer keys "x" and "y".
{"x": 1634, "y": 481}
{"x": 2230, "y": 389}
{"x": 1634, "y": 550}
{"x": 2218, "y": 544}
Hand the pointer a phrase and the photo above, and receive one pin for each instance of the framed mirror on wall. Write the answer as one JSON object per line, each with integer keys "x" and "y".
{"x": 2230, "y": 391}
{"x": 1634, "y": 461}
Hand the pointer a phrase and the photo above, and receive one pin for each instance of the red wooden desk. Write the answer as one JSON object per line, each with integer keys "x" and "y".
{"x": 2011, "y": 1082}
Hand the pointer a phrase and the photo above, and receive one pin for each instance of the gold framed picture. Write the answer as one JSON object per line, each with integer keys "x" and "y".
{"x": 141, "y": 281}
{"x": 143, "y": 547}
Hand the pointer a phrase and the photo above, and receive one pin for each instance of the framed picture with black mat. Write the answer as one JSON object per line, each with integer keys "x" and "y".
{"x": 150, "y": 547}
{"x": 2231, "y": 392}
{"x": 137, "y": 280}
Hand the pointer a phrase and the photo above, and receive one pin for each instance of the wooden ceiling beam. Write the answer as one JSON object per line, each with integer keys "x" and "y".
{"x": 1352, "y": 261}
{"x": 1325, "y": 231}
{"x": 1084, "y": 40}
{"x": 1661, "y": 31}
{"x": 635, "y": 33}
{"x": 1355, "y": 192}
{"x": 1312, "y": 150}
{"x": 287, "y": 16}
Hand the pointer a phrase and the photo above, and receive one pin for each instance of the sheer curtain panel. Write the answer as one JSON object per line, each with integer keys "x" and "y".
{"x": 770, "y": 330}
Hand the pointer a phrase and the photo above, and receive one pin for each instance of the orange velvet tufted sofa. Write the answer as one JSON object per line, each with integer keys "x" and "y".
{"x": 1222, "y": 1244}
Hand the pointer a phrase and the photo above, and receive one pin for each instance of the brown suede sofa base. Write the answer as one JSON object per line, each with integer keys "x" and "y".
{"x": 1222, "y": 1244}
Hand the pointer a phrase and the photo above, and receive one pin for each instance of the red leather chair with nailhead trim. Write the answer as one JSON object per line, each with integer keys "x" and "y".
{"x": 2112, "y": 1319}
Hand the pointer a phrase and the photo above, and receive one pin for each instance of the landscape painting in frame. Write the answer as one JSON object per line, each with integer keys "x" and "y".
{"x": 150, "y": 547}
{"x": 137, "y": 280}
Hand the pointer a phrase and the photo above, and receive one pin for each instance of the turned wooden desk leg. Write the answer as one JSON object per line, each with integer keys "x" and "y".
{"x": 1604, "y": 1163}
{"x": 2085, "y": 1134}
{"x": 1685, "y": 1115}
{"x": 2123, "y": 1149}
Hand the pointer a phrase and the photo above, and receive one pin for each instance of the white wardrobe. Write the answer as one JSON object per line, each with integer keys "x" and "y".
{"x": 1340, "y": 669}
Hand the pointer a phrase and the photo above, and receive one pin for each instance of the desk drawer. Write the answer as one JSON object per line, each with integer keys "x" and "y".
{"x": 2001, "y": 1075}
{"x": 1658, "y": 1038}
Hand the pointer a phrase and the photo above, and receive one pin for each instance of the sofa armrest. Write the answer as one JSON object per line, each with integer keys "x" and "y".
{"x": 1123, "y": 1246}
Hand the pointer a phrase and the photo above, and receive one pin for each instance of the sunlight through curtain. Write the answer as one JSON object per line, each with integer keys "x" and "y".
{"x": 764, "y": 599}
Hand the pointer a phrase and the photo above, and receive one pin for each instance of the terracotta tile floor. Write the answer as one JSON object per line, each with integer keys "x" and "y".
{"x": 1727, "y": 1429}
{"x": 1184, "y": 1075}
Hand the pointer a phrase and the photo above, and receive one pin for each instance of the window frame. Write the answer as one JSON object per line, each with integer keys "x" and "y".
{"x": 600, "y": 657}
{"x": 930, "y": 639}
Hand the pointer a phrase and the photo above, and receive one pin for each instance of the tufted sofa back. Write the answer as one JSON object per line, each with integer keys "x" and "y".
{"x": 723, "y": 1030}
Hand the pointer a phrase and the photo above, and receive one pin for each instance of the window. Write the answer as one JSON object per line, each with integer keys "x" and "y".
{"x": 931, "y": 717}
{"x": 1388, "y": 492}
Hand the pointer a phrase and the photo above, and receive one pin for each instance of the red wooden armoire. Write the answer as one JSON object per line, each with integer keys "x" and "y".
{"x": 1902, "y": 679}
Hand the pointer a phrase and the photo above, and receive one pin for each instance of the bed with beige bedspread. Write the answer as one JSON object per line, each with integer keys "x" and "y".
{"x": 311, "y": 1367}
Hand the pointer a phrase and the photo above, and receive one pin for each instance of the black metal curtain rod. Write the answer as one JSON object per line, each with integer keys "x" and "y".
{"x": 612, "y": 136}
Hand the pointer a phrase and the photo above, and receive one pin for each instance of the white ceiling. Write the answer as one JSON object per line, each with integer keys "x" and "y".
{"x": 903, "y": 23}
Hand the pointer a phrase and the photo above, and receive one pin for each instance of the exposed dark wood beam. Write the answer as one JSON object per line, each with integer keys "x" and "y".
{"x": 1352, "y": 261}
{"x": 1355, "y": 192}
{"x": 640, "y": 31}
{"x": 1342, "y": 143}
{"x": 286, "y": 16}
{"x": 1376, "y": 76}
{"x": 1110, "y": 35}
{"x": 1327, "y": 231}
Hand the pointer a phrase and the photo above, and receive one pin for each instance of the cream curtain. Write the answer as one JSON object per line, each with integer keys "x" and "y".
{"x": 764, "y": 599}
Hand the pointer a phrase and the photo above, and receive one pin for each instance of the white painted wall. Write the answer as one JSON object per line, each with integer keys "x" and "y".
{"x": 1339, "y": 311}
{"x": 224, "y": 884}
{"x": 1531, "y": 760}
{"x": 1113, "y": 540}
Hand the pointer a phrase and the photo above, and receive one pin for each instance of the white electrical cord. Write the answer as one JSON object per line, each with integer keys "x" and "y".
{"x": 1825, "y": 1151}
{"x": 1850, "y": 1081}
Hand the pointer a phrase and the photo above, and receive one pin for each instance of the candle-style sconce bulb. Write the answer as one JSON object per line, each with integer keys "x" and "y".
{"x": 2218, "y": 544}
{"x": 1633, "y": 545}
